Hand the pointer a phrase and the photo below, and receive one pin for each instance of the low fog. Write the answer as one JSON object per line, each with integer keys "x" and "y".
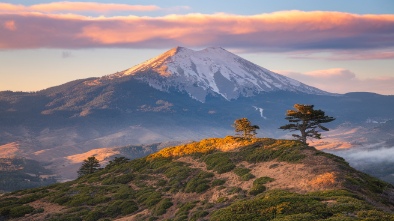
{"x": 378, "y": 162}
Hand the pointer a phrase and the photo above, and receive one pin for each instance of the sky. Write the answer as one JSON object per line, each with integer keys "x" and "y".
{"x": 338, "y": 46}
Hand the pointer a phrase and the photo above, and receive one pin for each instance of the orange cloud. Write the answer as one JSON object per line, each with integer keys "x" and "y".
{"x": 4, "y": 7}
{"x": 280, "y": 31}
{"x": 10, "y": 25}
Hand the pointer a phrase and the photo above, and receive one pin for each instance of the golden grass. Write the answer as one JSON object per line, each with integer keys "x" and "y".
{"x": 324, "y": 180}
{"x": 228, "y": 143}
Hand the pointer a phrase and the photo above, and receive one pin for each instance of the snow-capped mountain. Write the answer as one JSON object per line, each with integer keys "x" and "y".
{"x": 179, "y": 95}
{"x": 212, "y": 70}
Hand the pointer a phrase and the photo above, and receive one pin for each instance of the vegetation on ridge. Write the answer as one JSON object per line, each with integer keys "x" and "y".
{"x": 291, "y": 181}
{"x": 89, "y": 166}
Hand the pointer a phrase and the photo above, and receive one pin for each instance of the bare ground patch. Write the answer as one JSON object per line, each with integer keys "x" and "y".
{"x": 299, "y": 177}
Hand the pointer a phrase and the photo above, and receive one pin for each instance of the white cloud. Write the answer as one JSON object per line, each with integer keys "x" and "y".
{"x": 340, "y": 80}
{"x": 66, "y": 54}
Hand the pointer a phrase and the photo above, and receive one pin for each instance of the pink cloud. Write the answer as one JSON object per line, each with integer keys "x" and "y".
{"x": 342, "y": 81}
{"x": 280, "y": 31}
{"x": 347, "y": 55}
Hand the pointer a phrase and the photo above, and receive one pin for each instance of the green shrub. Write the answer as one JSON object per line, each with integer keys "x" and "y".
{"x": 375, "y": 215}
{"x": 160, "y": 162}
{"x": 247, "y": 177}
{"x": 64, "y": 217}
{"x": 20, "y": 211}
{"x": 94, "y": 215}
{"x": 148, "y": 196}
{"x": 282, "y": 150}
{"x": 256, "y": 189}
{"x": 94, "y": 179}
{"x": 222, "y": 199}
{"x": 5, "y": 211}
{"x": 161, "y": 182}
{"x": 162, "y": 207}
{"x": 240, "y": 171}
{"x": 198, "y": 183}
{"x": 120, "y": 207}
{"x": 234, "y": 190}
{"x": 124, "y": 192}
{"x": 263, "y": 180}
{"x": 177, "y": 172}
{"x": 183, "y": 211}
{"x": 219, "y": 162}
{"x": 197, "y": 215}
{"x": 113, "y": 209}
{"x": 122, "y": 179}
{"x": 78, "y": 200}
{"x": 62, "y": 200}
{"x": 258, "y": 185}
{"x": 243, "y": 173}
{"x": 29, "y": 198}
{"x": 98, "y": 199}
{"x": 297, "y": 217}
{"x": 9, "y": 202}
{"x": 271, "y": 205}
{"x": 218, "y": 182}
{"x": 128, "y": 207}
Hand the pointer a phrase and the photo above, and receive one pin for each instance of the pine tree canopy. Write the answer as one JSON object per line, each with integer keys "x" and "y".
{"x": 245, "y": 128}
{"x": 307, "y": 120}
{"x": 89, "y": 166}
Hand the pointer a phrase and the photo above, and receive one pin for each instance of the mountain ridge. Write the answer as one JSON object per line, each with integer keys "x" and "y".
{"x": 216, "y": 179}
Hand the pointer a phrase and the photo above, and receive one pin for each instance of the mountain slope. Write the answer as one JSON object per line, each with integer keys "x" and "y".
{"x": 214, "y": 179}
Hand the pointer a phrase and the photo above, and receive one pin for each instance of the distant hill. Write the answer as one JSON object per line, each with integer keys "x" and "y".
{"x": 18, "y": 174}
{"x": 214, "y": 179}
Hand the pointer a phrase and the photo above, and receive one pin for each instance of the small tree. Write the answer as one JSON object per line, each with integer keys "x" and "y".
{"x": 117, "y": 161}
{"x": 307, "y": 120}
{"x": 89, "y": 166}
{"x": 244, "y": 126}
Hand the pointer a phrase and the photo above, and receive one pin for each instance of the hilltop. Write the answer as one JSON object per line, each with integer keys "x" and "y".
{"x": 214, "y": 179}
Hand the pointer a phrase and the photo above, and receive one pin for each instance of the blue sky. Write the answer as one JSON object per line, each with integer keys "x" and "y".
{"x": 338, "y": 46}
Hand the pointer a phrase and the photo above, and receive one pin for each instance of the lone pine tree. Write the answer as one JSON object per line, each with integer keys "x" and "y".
{"x": 307, "y": 120}
{"x": 244, "y": 127}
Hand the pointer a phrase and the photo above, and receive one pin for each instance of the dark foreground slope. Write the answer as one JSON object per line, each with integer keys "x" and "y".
{"x": 214, "y": 179}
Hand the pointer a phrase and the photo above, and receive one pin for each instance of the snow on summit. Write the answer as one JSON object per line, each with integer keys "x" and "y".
{"x": 212, "y": 70}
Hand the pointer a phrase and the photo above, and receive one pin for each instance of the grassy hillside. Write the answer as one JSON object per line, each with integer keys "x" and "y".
{"x": 214, "y": 179}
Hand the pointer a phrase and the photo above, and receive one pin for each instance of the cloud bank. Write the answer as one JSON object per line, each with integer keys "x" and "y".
{"x": 279, "y": 31}
{"x": 340, "y": 80}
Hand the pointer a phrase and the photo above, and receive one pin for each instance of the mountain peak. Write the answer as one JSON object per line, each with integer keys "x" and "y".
{"x": 212, "y": 70}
